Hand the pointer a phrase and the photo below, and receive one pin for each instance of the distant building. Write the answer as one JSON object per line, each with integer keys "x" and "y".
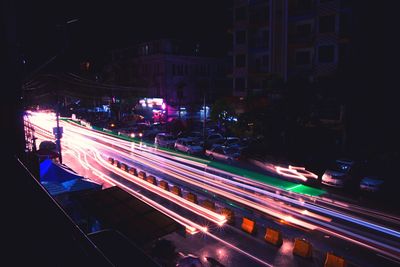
{"x": 278, "y": 40}
{"x": 258, "y": 44}
{"x": 319, "y": 40}
{"x": 169, "y": 69}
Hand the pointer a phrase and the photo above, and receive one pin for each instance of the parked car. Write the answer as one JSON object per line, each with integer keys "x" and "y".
{"x": 228, "y": 154}
{"x": 342, "y": 173}
{"x": 371, "y": 184}
{"x": 188, "y": 145}
{"x": 194, "y": 135}
{"x": 213, "y": 138}
{"x": 164, "y": 140}
{"x": 232, "y": 140}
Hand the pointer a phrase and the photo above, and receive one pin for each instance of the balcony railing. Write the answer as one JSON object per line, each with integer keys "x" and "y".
{"x": 42, "y": 228}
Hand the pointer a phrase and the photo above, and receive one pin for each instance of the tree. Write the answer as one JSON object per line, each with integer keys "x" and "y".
{"x": 222, "y": 111}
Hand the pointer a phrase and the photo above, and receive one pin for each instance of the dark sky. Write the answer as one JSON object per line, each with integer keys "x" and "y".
{"x": 104, "y": 25}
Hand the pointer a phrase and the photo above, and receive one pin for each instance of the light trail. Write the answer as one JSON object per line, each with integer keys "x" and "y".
{"x": 146, "y": 156}
{"x": 190, "y": 226}
{"x": 118, "y": 142}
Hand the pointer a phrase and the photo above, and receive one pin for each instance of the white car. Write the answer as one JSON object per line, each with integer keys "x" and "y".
{"x": 188, "y": 145}
{"x": 339, "y": 174}
{"x": 228, "y": 154}
{"x": 164, "y": 140}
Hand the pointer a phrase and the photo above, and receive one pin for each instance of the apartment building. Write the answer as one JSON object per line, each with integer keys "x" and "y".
{"x": 171, "y": 69}
{"x": 278, "y": 40}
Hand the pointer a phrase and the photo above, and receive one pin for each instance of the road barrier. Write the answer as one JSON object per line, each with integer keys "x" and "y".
{"x": 142, "y": 175}
{"x": 273, "y": 236}
{"x": 192, "y": 197}
{"x": 210, "y": 205}
{"x": 229, "y": 215}
{"x": 124, "y": 167}
{"x": 133, "y": 171}
{"x": 333, "y": 260}
{"x": 111, "y": 160}
{"x": 164, "y": 185}
{"x": 176, "y": 190}
{"x": 151, "y": 179}
{"x": 117, "y": 163}
{"x": 302, "y": 248}
{"x": 248, "y": 226}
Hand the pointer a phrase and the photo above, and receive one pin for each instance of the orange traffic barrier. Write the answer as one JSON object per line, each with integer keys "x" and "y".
{"x": 334, "y": 261}
{"x": 176, "y": 190}
{"x": 133, "y": 171}
{"x": 142, "y": 175}
{"x": 192, "y": 197}
{"x": 248, "y": 225}
{"x": 208, "y": 205}
{"x": 302, "y": 248}
{"x": 117, "y": 163}
{"x": 229, "y": 215}
{"x": 164, "y": 185}
{"x": 151, "y": 179}
{"x": 124, "y": 167}
{"x": 273, "y": 237}
{"x": 111, "y": 160}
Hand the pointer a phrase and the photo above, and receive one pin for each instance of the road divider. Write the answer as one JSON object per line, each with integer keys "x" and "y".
{"x": 151, "y": 179}
{"x": 333, "y": 260}
{"x": 133, "y": 171}
{"x": 229, "y": 215}
{"x": 164, "y": 185}
{"x": 142, "y": 175}
{"x": 192, "y": 198}
{"x": 302, "y": 248}
{"x": 273, "y": 236}
{"x": 176, "y": 190}
{"x": 208, "y": 204}
{"x": 124, "y": 167}
{"x": 248, "y": 226}
{"x": 116, "y": 163}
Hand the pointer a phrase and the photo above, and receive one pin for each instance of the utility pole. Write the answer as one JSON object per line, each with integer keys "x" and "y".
{"x": 179, "y": 94}
{"x": 59, "y": 130}
{"x": 205, "y": 116}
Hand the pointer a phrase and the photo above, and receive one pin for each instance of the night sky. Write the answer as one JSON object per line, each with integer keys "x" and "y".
{"x": 104, "y": 25}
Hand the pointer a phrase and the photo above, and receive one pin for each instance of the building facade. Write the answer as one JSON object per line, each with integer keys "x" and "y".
{"x": 170, "y": 69}
{"x": 278, "y": 40}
